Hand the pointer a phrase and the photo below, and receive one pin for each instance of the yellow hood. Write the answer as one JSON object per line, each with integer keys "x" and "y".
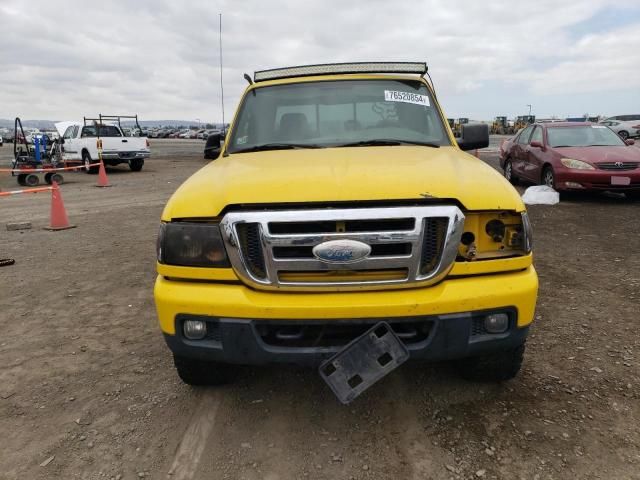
{"x": 342, "y": 174}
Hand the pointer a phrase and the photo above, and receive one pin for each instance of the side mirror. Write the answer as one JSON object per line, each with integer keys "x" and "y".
{"x": 474, "y": 136}
{"x": 536, "y": 144}
{"x": 213, "y": 147}
{"x": 630, "y": 141}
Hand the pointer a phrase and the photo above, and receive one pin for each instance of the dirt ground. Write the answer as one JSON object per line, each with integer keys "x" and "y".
{"x": 88, "y": 389}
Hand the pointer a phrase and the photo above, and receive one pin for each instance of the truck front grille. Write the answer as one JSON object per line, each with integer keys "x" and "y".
{"x": 408, "y": 246}
{"x": 249, "y": 239}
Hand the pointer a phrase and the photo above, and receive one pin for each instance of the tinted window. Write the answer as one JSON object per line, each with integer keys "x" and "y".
{"x": 332, "y": 113}
{"x": 88, "y": 132}
{"x": 537, "y": 135}
{"x": 109, "y": 131}
{"x": 524, "y": 135}
{"x": 582, "y": 136}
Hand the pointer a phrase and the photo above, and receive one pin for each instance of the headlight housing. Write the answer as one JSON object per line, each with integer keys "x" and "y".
{"x": 576, "y": 164}
{"x": 493, "y": 235}
{"x": 191, "y": 245}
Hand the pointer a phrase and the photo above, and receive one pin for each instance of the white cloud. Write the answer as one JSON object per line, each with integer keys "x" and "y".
{"x": 160, "y": 58}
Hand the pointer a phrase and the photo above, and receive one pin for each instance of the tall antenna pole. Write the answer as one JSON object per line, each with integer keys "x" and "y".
{"x": 221, "y": 85}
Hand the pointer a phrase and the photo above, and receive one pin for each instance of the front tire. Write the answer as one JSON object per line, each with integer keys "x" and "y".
{"x": 136, "y": 164}
{"x": 549, "y": 177}
{"x": 493, "y": 367}
{"x": 508, "y": 173}
{"x": 199, "y": 372}
{"x": 86, "y": 159}
{"x": 623, "y": 134}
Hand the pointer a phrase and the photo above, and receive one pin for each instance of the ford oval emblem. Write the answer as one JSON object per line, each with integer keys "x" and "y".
{"x": 341, "y": 251}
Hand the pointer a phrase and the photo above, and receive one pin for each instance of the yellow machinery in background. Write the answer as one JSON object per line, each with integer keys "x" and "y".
{"x": 522, "y": 121}
{"x": 457, "y": 126}
{"x": 500, "y": 126}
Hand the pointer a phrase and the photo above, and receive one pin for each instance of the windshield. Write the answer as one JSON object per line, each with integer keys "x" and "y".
{"x": 583, "y": 136}
{"x": 337, "y": 113}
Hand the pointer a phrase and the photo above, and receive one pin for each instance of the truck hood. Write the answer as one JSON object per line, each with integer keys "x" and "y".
{"x": 342, "y": 174}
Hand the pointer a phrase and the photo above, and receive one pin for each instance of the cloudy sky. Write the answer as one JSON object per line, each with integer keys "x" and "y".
{"x": 64, "y": 59}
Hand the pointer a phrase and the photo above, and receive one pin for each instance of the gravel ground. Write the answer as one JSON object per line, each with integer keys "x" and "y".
{"x": 88, "y": 390}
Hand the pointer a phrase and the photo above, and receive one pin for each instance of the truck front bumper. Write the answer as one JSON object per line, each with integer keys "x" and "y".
{"x": 247, "y": 326}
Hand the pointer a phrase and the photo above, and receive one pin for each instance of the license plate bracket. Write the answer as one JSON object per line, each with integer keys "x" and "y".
{"x": 363, "y": 362}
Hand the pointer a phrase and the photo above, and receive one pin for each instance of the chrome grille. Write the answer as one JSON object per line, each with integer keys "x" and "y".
{"x": 409, "y": 246}
{"x": 618, "y": 166}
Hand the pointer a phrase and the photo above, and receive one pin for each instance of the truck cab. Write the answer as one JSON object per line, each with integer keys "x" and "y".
{"x": 340, "y": 197}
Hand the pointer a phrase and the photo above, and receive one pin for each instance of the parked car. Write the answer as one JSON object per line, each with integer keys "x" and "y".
{"x": 80, "y": 142}
{"x": 572, "y": 156}
{"x": 1, "y": 141}
{"x": 624, "y": 129}
{"x": 625, "y": 118}
{"x": 185, "y": 134}
{"x": 207, "y": 133}
{"x": 312, "y": 226}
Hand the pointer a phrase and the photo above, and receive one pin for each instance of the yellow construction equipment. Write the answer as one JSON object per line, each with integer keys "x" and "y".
{"x": 457, "y": 126}
{"x": 522, "y": 121}
{"x": 500, "y": 126}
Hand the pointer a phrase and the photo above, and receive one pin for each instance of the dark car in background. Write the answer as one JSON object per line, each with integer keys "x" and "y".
{"x": 572, "y": 156}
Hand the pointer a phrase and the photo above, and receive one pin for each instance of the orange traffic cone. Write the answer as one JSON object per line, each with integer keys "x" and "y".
{"x": 59, "y": 219}
{"x": 103, "y": 181}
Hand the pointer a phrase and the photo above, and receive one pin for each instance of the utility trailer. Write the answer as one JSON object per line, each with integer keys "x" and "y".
{"x": 33, "y": 160}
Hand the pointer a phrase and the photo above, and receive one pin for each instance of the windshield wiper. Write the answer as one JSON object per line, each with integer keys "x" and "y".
{"x": 381, "y": 142}
{"x": 276, "y": 146}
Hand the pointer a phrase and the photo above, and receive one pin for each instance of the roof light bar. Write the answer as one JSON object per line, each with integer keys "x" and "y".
{"x": 419, "y": 68}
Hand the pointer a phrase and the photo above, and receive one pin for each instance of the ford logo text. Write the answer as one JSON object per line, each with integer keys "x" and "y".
{"x": 341, "y": 251}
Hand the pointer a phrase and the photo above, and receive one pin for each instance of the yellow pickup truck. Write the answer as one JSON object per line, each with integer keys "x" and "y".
{"x": 341, "y": 198}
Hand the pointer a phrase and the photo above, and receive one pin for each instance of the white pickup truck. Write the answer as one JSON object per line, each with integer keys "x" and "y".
{"x": 80, "y": 143}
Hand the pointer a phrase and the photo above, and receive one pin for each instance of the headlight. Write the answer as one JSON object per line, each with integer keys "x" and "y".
{"x": 576, "y": 164}
{"x": 191, "y": 245}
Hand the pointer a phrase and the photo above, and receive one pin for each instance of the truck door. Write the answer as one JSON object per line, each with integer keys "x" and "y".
{"x": 71, "y": 144}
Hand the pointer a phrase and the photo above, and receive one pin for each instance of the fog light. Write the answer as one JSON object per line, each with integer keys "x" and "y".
{"x": 573, "y": 185}
{"x": 496, "y": 323}
{"x": 195, "y": 329}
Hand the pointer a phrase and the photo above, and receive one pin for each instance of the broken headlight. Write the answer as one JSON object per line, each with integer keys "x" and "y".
{"x": 490, "y": 235}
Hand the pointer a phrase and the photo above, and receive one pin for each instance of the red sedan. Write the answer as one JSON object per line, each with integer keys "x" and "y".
{"x": 572, "y": 156}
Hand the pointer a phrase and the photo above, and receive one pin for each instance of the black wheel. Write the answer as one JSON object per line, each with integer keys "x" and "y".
{"x": 47, "y": 177}
{"x": 493, "y": 367}
{"x": 136, "y": 164}
{"x": 199, "y": 372}
{"x": 21, "y": 178}
{"x": 623, "y": 134}
{"x": 508, "y": 173}
{"x": 548, "y": 177}
{"x": 86, "y": 159}
{"x": 31, "y": 180}
{"x": 58, "y": 178}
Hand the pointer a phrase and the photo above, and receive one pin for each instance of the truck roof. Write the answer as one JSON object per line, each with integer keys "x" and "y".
{"x": 417, "y": 68}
